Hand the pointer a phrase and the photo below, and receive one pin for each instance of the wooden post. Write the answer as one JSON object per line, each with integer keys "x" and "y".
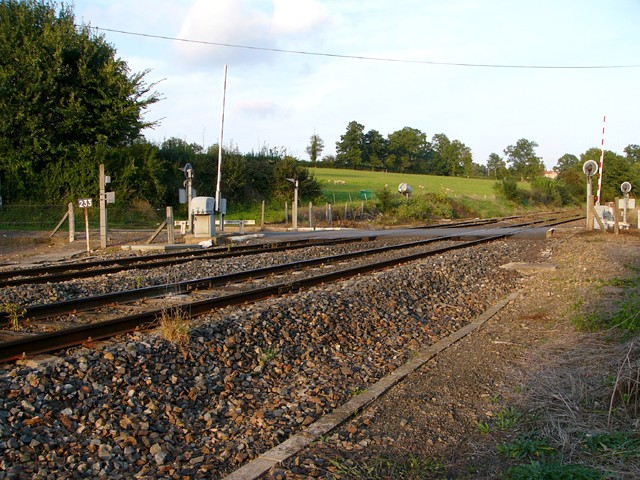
{"x": 310, "y": 214}
{"x": 616, "y": 225}
{"x": 286, "y": 213}
{"x": 264, "y": 204}
{"x": 171, "y": 235}
{"x": 590, "y": 214}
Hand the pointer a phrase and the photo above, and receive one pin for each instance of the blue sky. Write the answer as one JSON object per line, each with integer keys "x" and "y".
{"x": 279, "y": 100}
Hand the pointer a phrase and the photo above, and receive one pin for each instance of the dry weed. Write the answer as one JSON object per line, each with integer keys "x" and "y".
{"x": 174, "y": 326}
{"x": 585, "y": 386}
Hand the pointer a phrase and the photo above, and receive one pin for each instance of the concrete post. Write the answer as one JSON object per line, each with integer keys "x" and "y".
{"x": 72, "y": 223}
{"x": 171, "y": 237}
{"x": 103, "y": 210}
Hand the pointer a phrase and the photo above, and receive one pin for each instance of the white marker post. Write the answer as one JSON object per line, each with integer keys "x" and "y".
{"x": 218, "y": 194}
{"x": 86, "y": 203}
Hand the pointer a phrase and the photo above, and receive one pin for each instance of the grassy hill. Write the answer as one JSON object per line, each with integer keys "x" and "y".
{"x": 350, "y": 185}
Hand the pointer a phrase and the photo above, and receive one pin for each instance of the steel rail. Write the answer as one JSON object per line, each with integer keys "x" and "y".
{"x": 48, "y": 310}
{"x": 85, "y": 270}
{"x": 47, "y": 342}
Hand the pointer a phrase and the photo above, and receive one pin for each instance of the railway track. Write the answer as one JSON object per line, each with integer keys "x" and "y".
{"x": 77, "y": 335}
{"x": 67, "y": 271}
{"x": 84, "y": 269}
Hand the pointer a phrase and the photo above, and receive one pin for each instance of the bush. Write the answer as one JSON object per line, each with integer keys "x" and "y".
{"x": 385, "y": 200}
{"x": 425, "y": 207}
{"x": 545, "y": 191}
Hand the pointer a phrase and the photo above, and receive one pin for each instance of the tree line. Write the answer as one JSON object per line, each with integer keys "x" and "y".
{"x": 405, "y": 151}
{"x": 410, "y": 151}
{"x": 69, "y": 104}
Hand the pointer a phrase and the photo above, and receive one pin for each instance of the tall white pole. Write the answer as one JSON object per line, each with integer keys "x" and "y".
{"x": 598, "y": 197}
{"x": 224, "y": 93}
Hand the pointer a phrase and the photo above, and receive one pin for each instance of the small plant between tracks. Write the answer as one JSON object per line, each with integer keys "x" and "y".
{"x": 174, "y": 324}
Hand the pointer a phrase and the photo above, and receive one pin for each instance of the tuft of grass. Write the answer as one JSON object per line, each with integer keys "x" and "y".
{"x": 484, "y": 427}
{"x": 15, "y": 313}
{"x": 268, "y": 355}
{"x": 174, "y": 326}
{"x": 588, "y": 322}
{"x": 508, "y": 418}
{"x": 526, "y": 446}
{"x": 627, "y": 317}
{"x": 551, "y": 471}
{"x": 410, "y": 468}
{"x": 619, "y": 445}
{"x": 626, "y": 388}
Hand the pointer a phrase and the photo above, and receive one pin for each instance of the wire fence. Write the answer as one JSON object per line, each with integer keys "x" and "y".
{"x": 47, "y": 217}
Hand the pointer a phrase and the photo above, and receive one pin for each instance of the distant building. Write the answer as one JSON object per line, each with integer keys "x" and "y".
{"x": 550, "y": 174}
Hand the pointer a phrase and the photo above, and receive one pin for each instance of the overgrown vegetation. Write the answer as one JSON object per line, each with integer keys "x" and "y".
{"x": 585, "y": 412}
{"x": 174, "y": 325}
{"x": 626, "y": 314}
{"x": 379, "y": 468}
{"x": 14, "y": 313}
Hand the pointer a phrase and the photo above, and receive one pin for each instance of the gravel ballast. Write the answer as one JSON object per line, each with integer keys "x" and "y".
{"x": 142, "y": 407}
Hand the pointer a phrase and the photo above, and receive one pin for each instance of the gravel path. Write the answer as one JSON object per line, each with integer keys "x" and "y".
{"x": 250, "y": 377}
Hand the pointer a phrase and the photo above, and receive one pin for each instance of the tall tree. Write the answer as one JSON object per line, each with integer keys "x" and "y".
{"x": 409, "y": 148}
{"x": 570, "y": 176}
{"x": 288, "y": 167}
{"x": 64, "y": 95}
{"x": 633, "y": 153}
{"x": 523, "y": 160}
{"x": 375, "y": 149}
{"x": 316, "y": 145}
{"x": 496, "y": 166}
{"x": 350, "y": 148}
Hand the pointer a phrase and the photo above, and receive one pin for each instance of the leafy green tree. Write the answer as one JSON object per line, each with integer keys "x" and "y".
{"x": 451, "y": 158}
{"x": 64, "y": 98}
{"x": 478, "y": 170}
{"x": 282, "y": 189}
{"x": 316, "y": 145}
{"x": 137, "y": 172}
{"x": 523, "y": 161}
{"x": 567, "y": 162}
{"x": 633, "y": 153}
{"x": 350, "y": 148}
{"x": 441, "y": 162}
{"x": 571, "y": 177}
{"x": 375, "y": 150}
{"x": 496, "y": 166}
{"x": 410, "y": 150}
{"x": 461, "y": 159}
{"x": 175, "y": 153}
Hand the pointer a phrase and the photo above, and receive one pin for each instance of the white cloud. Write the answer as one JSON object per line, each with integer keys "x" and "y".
{"x": 229, "y": 22}
{"x": 258, "y": 108}
{"x": 298, "y": 16}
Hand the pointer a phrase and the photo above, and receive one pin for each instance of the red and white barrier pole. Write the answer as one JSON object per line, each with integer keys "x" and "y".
{"x": 601, "y": 163}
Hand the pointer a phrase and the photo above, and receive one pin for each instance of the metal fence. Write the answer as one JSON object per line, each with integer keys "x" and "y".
{"x": 47, "y": 217}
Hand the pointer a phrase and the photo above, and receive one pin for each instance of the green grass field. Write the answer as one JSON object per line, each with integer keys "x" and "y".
{"x": 349, "y": 185}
